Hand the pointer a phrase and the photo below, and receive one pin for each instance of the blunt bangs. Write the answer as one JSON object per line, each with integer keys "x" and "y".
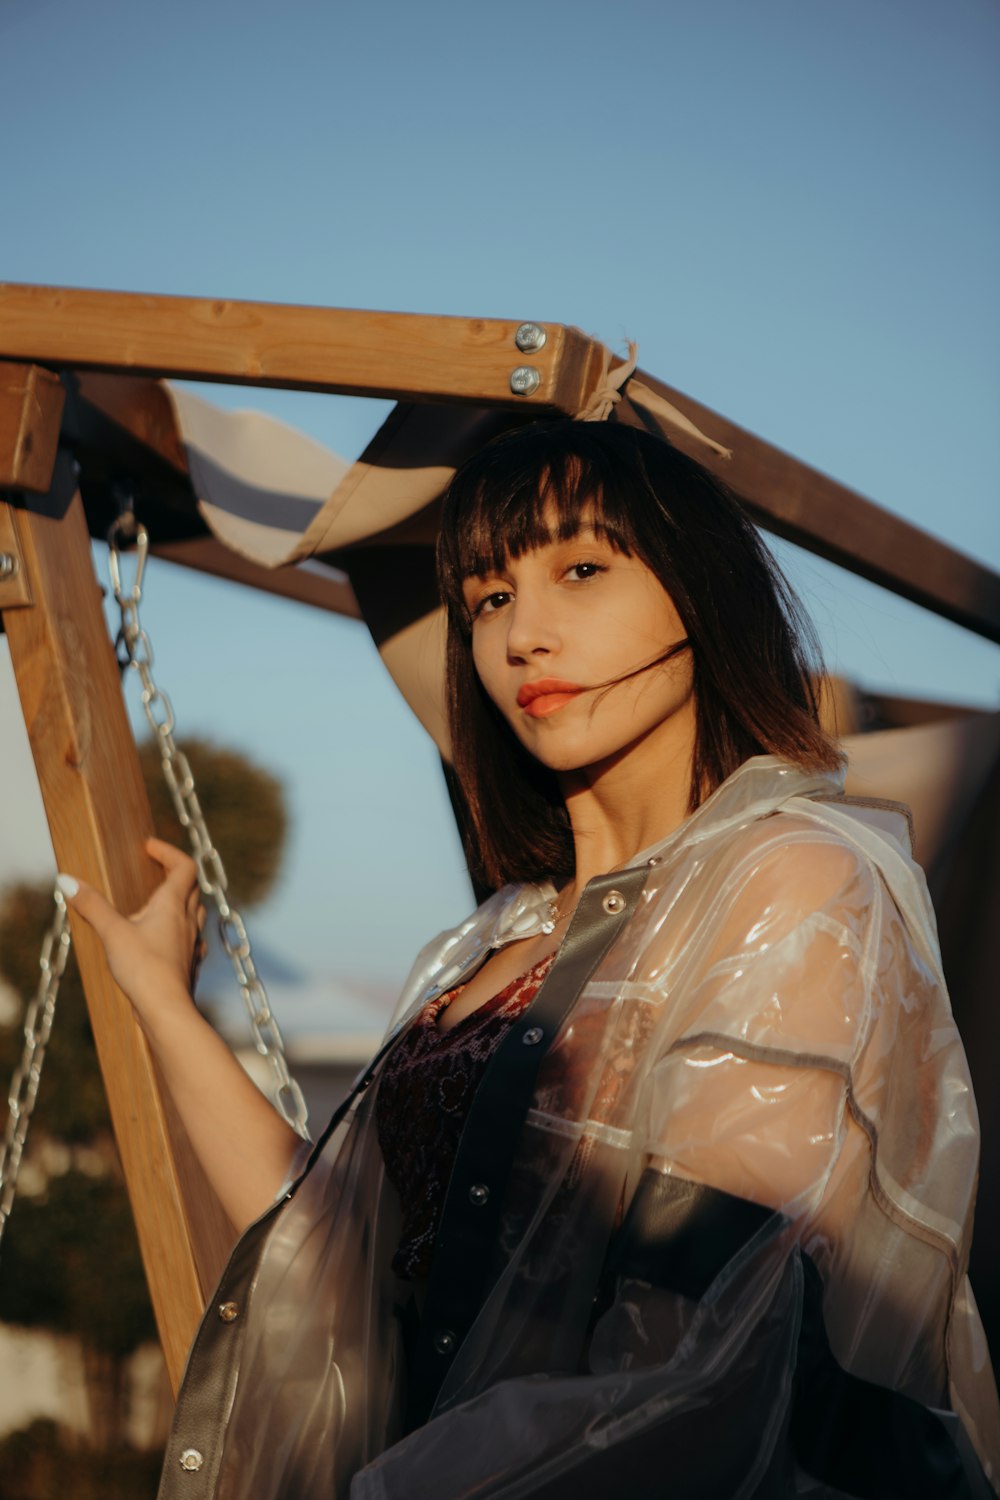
{"x": 532, "y": 486}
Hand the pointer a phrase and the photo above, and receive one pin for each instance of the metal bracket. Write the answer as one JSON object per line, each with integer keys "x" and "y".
{"x": 15, "y": 591}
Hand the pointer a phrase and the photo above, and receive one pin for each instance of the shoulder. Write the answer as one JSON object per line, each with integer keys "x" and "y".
{"x": 775, "y": 946}
{"x": 836, "y": 859}
{"x": 793, "y": 862}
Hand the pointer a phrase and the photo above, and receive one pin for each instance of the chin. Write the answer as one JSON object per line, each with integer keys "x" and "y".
{"x": 568, "y": 756}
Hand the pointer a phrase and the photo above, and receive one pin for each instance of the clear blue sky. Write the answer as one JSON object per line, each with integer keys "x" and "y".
{"x": 792, "y": 206}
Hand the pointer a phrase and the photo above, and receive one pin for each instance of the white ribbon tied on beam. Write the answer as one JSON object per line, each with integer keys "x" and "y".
{"x": 609, "y": 390}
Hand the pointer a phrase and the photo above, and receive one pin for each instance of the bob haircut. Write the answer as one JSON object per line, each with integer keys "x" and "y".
{"x": 753, "y": 652}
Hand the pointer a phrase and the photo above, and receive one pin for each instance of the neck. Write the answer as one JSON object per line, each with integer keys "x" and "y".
{"x": 634, "y": 799}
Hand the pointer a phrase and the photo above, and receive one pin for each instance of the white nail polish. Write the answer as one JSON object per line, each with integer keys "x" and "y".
{"x": 68, "y": 885}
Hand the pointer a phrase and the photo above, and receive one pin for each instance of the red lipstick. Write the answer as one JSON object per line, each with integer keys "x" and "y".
{"x": 546, "y": 696}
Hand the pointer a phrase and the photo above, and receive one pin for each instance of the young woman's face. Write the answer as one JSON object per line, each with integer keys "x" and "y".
{"x": 555, "y": 625}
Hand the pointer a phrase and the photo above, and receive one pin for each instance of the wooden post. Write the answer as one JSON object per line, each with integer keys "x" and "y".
{"x": 98, "y": 815}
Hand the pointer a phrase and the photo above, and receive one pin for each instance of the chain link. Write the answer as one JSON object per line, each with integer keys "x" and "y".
{"x": 28, "y": 1073}
{"x": 133, "y": 650}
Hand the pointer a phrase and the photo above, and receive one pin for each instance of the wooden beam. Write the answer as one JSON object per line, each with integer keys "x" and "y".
{"x": 104, "y": 410}
{"x": 798, "y": 502}
{"x": 413, "y": 356}
{"x": 407, "y": 356}
{"x": 98, "y": 815}
{"x": 31, "y": 403}
{"x": 307, "y": 583}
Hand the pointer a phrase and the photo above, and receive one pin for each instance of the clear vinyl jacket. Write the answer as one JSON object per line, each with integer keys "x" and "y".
{"x": 771, "y": 1023}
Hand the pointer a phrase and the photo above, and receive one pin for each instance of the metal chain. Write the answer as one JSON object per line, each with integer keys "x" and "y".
{"x": 132, "y": 649}
{"x": 28, "y": 1073}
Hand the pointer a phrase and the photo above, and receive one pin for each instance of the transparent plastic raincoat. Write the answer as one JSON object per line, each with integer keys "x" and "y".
{"x": 707, "y": 1232}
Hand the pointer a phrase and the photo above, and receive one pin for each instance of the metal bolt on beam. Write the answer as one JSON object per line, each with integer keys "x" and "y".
{"x": 525, "y": 380}
{"x": 530, "y": 337}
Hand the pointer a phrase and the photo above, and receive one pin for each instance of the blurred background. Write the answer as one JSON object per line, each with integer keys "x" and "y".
{"x": 791, "y": 207}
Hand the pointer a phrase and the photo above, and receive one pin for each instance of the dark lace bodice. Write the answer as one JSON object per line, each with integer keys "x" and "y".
{"x": 424, "y": 1097}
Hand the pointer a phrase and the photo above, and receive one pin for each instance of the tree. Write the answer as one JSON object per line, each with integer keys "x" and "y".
{"x": 70, "y": 1259}
{"x": 244, "y": 806}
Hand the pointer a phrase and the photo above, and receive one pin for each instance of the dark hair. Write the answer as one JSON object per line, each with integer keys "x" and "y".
{"x": 753, "y": 651}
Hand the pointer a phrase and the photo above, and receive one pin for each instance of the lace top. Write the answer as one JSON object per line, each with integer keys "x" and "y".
{"x": 426, "y": 1091}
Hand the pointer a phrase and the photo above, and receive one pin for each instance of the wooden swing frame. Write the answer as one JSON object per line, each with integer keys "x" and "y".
{"x": 80, "y": 404}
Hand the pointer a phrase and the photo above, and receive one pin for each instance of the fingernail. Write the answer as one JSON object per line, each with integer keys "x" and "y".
{"x": 68, "y": 885}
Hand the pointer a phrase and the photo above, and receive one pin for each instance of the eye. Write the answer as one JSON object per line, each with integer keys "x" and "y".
{"x": 490, "y": 603}
{"x": 585, "y": 571}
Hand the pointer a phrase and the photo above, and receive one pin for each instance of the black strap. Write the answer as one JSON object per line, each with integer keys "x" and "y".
{"x": 462, "y": 1261}
{"x": 679, "y": 1234}
{"x": 860, "y": 1438}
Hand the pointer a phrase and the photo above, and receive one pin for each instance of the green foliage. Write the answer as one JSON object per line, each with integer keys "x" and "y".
{"x": 38, "y": 1463}
{"x": 244, "y": 808}
{"x": 71, "y": 1262}
{"x": 71, "y": 1106}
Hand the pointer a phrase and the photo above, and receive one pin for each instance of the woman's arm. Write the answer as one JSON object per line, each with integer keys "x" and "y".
{"x": 242, "y": 1143}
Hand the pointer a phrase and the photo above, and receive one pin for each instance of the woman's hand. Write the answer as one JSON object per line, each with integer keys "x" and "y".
{"x": 243, "y": 1144}
{"x": 154, "y": 953}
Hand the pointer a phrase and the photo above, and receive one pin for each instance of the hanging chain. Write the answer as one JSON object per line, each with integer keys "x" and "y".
{"x": 28, "y": 1073}
{"x": 132, "y": 649}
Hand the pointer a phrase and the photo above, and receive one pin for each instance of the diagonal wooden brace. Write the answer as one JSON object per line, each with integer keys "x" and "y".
{"x": 98, "y": 815}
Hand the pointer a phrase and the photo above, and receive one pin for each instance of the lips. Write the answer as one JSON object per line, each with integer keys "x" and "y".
{"x": 546, "y": 696}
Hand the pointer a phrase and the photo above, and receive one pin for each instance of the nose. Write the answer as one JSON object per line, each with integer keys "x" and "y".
{"x": 531, "y": 629}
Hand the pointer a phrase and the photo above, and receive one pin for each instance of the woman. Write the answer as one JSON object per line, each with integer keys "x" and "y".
{"x": 662, "y": 1182}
